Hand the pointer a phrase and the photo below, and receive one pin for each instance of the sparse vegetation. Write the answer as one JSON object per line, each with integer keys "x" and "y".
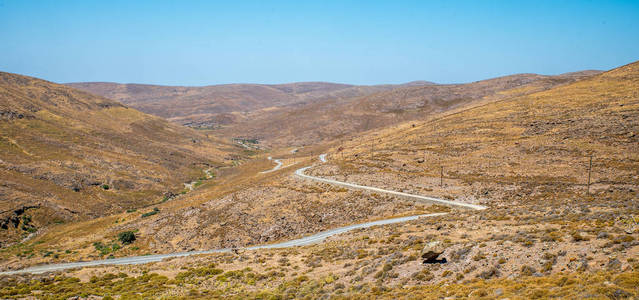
{"x": 155, "y": 211}
{"x": 545, "y": 234}
{"x": 126, "y": 237}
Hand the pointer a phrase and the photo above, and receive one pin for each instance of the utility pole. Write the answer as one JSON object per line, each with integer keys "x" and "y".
{"x": 589, "y": 171}
{"x": 372, "y": 145}
{"x": 441, "y": 177}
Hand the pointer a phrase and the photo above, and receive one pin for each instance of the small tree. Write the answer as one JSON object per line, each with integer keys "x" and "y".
{"x": 126, "y": 237}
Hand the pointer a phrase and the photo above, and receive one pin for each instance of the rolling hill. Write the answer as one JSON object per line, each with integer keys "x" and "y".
{"x": 525, "y": 156}
{"x": 334, "y": 118}
{"x": 66, "y": 155}
{"x": 312, "y": 112}
{"x": 522, "y": 152}
{"x": 215, "y": 105}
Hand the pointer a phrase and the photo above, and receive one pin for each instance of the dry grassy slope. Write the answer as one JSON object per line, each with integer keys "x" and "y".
{"x": 215, "y": 104}
{"x": 532, "y": 144}
{"x": 240, "y": 207}
{"x": 58, "y": 146}
{"x": 542, "y": 236}
{"x": 320, "y": 121}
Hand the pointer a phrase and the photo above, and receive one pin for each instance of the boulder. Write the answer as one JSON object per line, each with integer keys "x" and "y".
{"x": 432, "y": 251}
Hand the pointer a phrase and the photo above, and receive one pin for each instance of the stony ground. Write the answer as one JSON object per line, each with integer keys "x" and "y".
{"x": 545, "y": 233}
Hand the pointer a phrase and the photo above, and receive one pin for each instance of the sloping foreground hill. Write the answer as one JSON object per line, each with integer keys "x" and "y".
{"x": 527, "y": 158}
{"x": 66, "y": 154}
{"x": 541, "y": 138}
{"x": 325, "y": 120}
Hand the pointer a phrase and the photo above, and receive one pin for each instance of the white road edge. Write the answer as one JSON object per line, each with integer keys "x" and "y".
{"x": 300, "y": 173}
{"x": 308, "y": 240}
{"x": 277, "y": 167}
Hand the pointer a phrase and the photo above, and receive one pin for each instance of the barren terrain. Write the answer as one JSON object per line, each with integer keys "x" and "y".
{"x": 555, "y": 225}
{"x": 67, "y": 155}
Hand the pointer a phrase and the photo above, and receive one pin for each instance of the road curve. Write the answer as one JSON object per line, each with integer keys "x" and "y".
{"x": 300, "y": 173}
{"x": 315, "y": 238}
{"x": 133, "y": 260}
{"x": 277, "y": 167}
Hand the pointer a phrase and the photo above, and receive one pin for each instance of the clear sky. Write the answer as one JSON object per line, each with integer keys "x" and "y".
{"x": 360, "y": 42}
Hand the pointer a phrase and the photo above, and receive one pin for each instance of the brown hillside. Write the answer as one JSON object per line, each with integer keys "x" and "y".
{"x": 66, "y": 154}
{"x": 525, "y": 157}
{"x": 211, "y": 105}
{"x": 326, "y": 120}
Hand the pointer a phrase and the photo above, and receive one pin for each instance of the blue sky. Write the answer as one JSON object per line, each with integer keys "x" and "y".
{"x": 359, "y": 42}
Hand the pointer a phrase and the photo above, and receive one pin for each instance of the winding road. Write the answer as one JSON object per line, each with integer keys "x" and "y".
{"x": 315, "y": 238}
{"x": 277, "y": 167}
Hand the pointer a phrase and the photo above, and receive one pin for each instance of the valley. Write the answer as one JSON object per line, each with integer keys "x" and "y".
{"x": 326, "y": 200}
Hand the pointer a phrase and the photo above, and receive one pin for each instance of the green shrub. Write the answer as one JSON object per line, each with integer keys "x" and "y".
{"x": 106, "y": 249}
{"x": 105, "y": 187}
{"x": 155, "y": 211}
{"x": 126, "y": 237}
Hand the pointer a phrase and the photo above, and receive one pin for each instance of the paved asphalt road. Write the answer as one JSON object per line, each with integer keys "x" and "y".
{"x": 277, "y": 167}
{"x": 316, "y": 238}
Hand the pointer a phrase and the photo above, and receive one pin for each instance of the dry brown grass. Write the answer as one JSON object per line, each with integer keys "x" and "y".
{"x": 69, "y": 155}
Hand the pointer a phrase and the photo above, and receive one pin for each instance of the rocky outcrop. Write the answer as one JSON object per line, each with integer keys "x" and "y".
{"x": 12, "y": 115}
{"x": 11, "y": 218}
{"x": 432, "y": 251}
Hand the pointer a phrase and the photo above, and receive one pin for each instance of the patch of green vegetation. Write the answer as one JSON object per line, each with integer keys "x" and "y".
{"x": 146, "y": 286}
{"x": 246, "y": 284}
{"x": 126, "y": 237}
{"x": 155, "y": 211}
{"x": 248, "y": 152}
{"x": 208, "y": 272}
{"x": 106, "y": 249}
{"x": 26, "y": 224}
{"x": 105, "y": 187}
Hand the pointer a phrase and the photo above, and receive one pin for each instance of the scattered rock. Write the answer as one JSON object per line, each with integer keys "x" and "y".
{"x": 621, "y": 294}
{"x": 528, "y": 271}
{"x": 614, "y": 264}
{"x": 431, "y": 251}
{"x": 584, "y": 265}
{"x": 493, "y": 272}
{"x": 169, "y": 195}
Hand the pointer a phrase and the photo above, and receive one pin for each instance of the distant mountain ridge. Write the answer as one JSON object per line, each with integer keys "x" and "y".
{"x": 308, "y": 112}
{"x": 325, "y": 120}
{"x": 182, "y": 102}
